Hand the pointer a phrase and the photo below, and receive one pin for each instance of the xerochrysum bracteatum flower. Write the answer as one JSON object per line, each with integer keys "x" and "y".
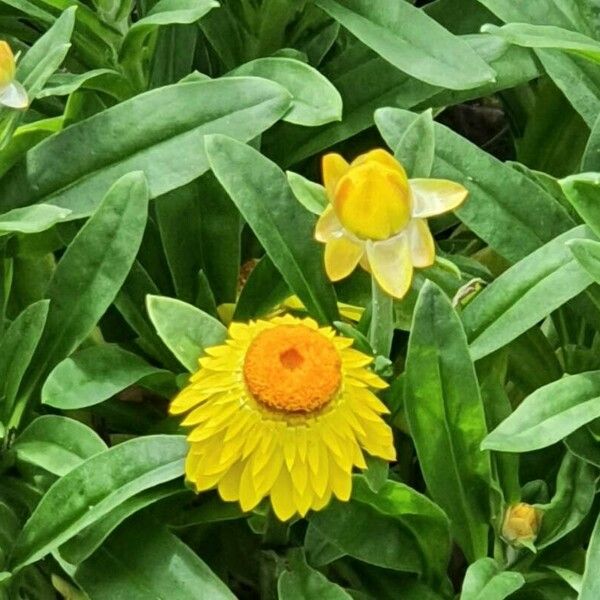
{"x": 284, "y": 409}
{"x": 377, "y": 217}
{"x": 12, "y": 93}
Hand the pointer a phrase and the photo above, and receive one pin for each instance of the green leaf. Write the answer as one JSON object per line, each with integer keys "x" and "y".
{"x": 91, "y": 271}
{"x": 264, "y": 290}
{"x": 591, "y": 156}
{"x": 547, "y": 36}
{"x": 92, "y": 376}
{"x": 494, "y": 210}
{"x": 310, "y": 194}
{"x": 179, "y": 222}
{"x": 590, "y": 585}
{"x": 142, "y": 560}
{"x": 57, "y": 444}
{"x": 583, "y": 444}
{"x": 169, "y": 149}
{"x": 32, "y": 219}
{"x": 396, "y": 528}
{"x": 185, "y": 329}
{"x": 221, "y": 226}
{"x": 411, "y": 41}
{"x": 47, "y": 54}
{"x": 524, "y": 294}
{"x": 583, "y": 192}
{"x": 575, "y": 491}
{"x": 87, "y": 541}
{"x": 260, "y": 191}
{"x": 64, "y": 84}
{"x": 300, "y": 582}
{"x": 167, "y": 12}
{"x": 314, "y": 99}
{"x": 485, "y": 580}
{"x": 16, "y": 350}
{"x": 587, "y": 253}
{"x": 416, "y": 149}
{"x": 94, "y": 488}
{"x": 446, "y": 419}
{"x": 549, "y": 415}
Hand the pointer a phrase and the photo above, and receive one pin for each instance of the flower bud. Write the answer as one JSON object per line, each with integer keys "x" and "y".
{"x": 372, "y": 199}
{"x": 521, "y": 523}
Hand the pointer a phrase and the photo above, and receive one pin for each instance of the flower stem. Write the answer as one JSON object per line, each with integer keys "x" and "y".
{"x": 381, "y": 330}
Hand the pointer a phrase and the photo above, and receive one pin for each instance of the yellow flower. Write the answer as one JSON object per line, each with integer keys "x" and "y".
{"x": 377, "y": 217}
{"x": 282, "y": 409}
{"x": 521, "y": 523}
{"x": 12, "y": 93}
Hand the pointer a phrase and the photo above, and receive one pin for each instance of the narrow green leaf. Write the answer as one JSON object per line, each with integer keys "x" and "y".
{"x": 185, "y": 329}
{"x": 410, "y": 40}
{"x": 87, "y": 541}
{"x": 583, "y": 192}
{"x": 575, "y": 491}
{"x": 16, "y": 350}
{"x": 314, "y": 99}
{"x": 57, "y": 444}
{"x": 310, "y": 194}
{"x": 91, "y": 271}
{"x": 485, "y": 580}
{"x": 494, "y": 210}
{"x": 264, "y": 290}
{"x": 300, "y": 582}
{"x": 260, "y": 191}
{"x": 169, "y": 149}
{"x": 524, "y": 294}
{"x": 94, "y": 488}
{"x": 547, "y": 36}
{"x": 396, "y": 528}
{"x": 549, "y": 415}
{"x": 446, "y": 419}
{"x": 142, "y": 560}
{"x": 47, "y": 54}
{"x": 587, "y": 253}
{"x": 416, "y": 149}
{"x": 179, "y": 222}
{"x": 584, "y": 444}
{"x": 32, "y": 219}
{"x": 590, "y": 585}
{"x": 92, "y": 376}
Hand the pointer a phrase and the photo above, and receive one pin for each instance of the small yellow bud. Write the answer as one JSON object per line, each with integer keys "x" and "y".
{"x": 372, "y": 198}
{"x": 7, "y": 65}
{"x": 521, "y": 523}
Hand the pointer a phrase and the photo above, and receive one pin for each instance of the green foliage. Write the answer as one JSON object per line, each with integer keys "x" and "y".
{"x": 164, "y": 182}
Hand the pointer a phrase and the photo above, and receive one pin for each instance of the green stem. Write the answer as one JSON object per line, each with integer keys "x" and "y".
{"x": 381, "y": 331}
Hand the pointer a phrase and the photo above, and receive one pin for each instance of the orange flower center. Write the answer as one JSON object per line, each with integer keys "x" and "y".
{"x": 293, "y": 369}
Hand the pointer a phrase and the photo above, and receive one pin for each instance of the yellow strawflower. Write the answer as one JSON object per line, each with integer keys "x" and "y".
{"x": 12, "y": 93}
{"x": 377, "y": 217}
{"x": 521, "y": 523}
{"x": 282, "y": 409}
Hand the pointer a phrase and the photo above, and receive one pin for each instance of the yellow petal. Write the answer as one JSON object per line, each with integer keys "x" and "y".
{"x": 328, "y": 226}
{"x": 341, "y": 257}
{"x": 334, "y": 167}
{"x": 282, "y": 497}
{"x": 435, "y": 196}
{"x": 229, "y": 486}
{"x": 422, "y": 246}
{"x": 391, "y": 265}
{"x": 7, "y": 64}
{"x": 381, "y": 156}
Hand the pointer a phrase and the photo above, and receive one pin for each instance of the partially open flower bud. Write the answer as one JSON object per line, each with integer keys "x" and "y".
{"x": 521, "y": 523}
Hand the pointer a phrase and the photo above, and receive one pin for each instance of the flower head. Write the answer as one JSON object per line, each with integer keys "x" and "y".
{"x": 282, "y": 409}
{"x": 521, "y": 523}
{"x": 377, "y": 217}
{"x": 12, "y": 93}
